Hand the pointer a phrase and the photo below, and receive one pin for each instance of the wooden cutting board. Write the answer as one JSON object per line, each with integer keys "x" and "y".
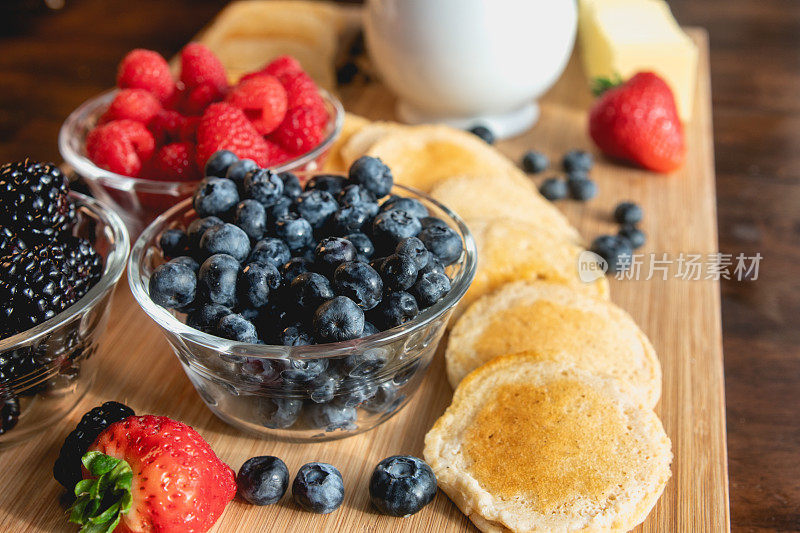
{"x": 681, "y": 317}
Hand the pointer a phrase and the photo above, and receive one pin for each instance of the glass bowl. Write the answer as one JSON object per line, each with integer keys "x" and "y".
{"x": 139, "y": 201}
{"x": 261, "y": 388}
{"x": 65, "y": 345}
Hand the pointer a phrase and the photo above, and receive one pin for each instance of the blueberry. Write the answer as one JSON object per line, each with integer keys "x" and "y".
{"x": 339, "y": 319}
{"x": 483, "y": 133}
{"x": 357, "y": 195}
{"x": 270, "y": 250}
{"x": 226, "y": 239}
{"x": 399, "y": 272}
{"x": 279, "y": 413}
{"x": 348, "y": 219}
{"x": 434, "y": 265}
{"x": 359, "y": 282}
{"x": 294, "y": 267}
{"x": 332, "y": 416}
{"x": 198, "y": 227}
{"x": 279, "y": 209}
{"x": 634, "y": 235}
{"x": 433, "y": 222}
{"x": 249, "y": 313}
{"x": 404, "y": 375}
{"x": 216, "y": 279}
{"x": 391, "y": 227}
{"x": 262, "y": 480}
{"x": 173, "y": 242}
{"x": 369, "y": 329}
{"x": 534, "y": 162}
{"x": 185, "y": 260}
{"x": 256, "y": 280}
{"x": 582, "y": 189}
{"x": 291, "y": 185}
{"x": 316, "y": 206}
{"x": 322, "y": 388}
{"x": 402, "y": 485}
{"x": 217, "y": 165}
{"x": 206, "y": 317}
{"x": 236, "y": 328}
{"x": 413, "y": 248}
{"x": 172, "y": 285}
{"x": 365, "y": 363}
{"x": 554, "y": 189}
{"x": 355, "y": 391}
{"x": 364, "y": 247}
{"x": 295, "y": 231}
{"x": 443, "y": 242}
{"x": 215, "y": 196}
{"x": 263, "y": 186}
{"x": 430, "y": 288}
{"x": 252, "y": 218}
{"x": 318, "y": 487}
{"x": 237, "y": 171}
{"x": 385, "y": 399}
{"x": 296, "y": 335}
{"x": 372, "y": 174}
{"x": 616, "y": 251}
{"x": 301, "y": 370}
{"x": 577, "y": 160}
{"x": 412, "y": 206}
{"x": 332, "y": 252}
{"x": 332, "y": 183}
{"x": 628, "y": 213}
{"x": 310, "y": 290}
{"x": 377, "y": 263}
{"x": 396, "y": 309}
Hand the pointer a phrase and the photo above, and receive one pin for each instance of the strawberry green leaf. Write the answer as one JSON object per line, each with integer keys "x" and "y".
{"x": 602, "y": 84}
{"x": 103, "y": 499}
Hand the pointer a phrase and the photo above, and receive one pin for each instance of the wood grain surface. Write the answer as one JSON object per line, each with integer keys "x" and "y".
{"x": 681, "y": 317}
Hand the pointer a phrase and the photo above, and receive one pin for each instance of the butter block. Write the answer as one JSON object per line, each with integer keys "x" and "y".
{"x": 628, "y": 36}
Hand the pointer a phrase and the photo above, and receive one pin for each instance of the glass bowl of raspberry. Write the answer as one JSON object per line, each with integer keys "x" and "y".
{"x": 46, "y": 369}
{"x": 287, "y": 376}
{"x": 139, "y": 200}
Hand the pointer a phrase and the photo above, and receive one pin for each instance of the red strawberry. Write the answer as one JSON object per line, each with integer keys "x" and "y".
{"x": 200, "y": 66}
{"x": 135, "y": 104}
{"x": 175, "y": 162}
{"x": 638, "y": 121}
{"x": 301, "y": 130}
{"x": 263, "y": 100}
{"x": 145, "y": 69}
{"x": 148, "y": 474}
{"x": 121, "y": 146}
{"x": 224, "y": 126}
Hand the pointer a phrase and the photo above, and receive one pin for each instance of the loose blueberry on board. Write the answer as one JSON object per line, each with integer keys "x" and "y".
{"x": 206, "y": 317}
{"x": 215, "y": 197}
{"x": 198, "y": 227}
{"x": 216, "y": 280}
{"x": 359, "y": 282}
{"x": 173, "y": 242}
{"x": 554, "y": 189}
{"x": 430, "y": 288}
{"x": 392, "y": 226}
{"x": 279, "y": 413}
{"x": 616, "y": 251}
{"x": 577, "y": 160}
{"x": 264, "y": 186}
{"x": 338, "y": 319}
{"x": 372, "y": 174}
{"x": 581, "y": 188}
{"x": 634, "y": 235}
{"x": 226, "y": 239}
{"x": 236, "y": 328}
{"x": 412, "y": 206}
{"x": 332, "y": 252}
{"x": 291, "y": 185}
{"x": 534, "y": 162}
{"x": 483, "y": 133}
{"x": 402, "y": 485}
{"x": 332, "y": 183}
{"x": 318, "y": 487}
{"x": 295, "y": 231}
{"x": 270, "y": 250}
{"x": 238, "y": 170}
{"x": 251, "y": 217}
{"x": 217, "y": 165}
{"x": 442, "y": 241}
{"x": 310, "y": 290}
{"x": 396, "y": 309}
{"x": 172, "y": 285}
{"x": 316, "y": 206}
{"x": 332, "y": 416}
{"x": 262, "y": 480}
{"x": 399, "y": 272}
{"x": 628, "y": 213}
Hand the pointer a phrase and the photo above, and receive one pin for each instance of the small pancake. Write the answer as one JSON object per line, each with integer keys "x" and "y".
{"x": 422, "y": 156}
{"x": 495, "y": 196}
{"x": 365, "y": 137}
{"x": 534, "y": 446}
{"x": 351, "y": 125}
{"x": 557, "y": 323}
{"x": 510, "y": 250}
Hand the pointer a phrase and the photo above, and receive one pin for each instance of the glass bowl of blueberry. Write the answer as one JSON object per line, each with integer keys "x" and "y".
{"x": 304, "y": 312}
{"x": 61, "y": 255}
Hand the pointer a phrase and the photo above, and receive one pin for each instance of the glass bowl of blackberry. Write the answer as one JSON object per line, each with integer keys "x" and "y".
{"x": 139, "y": 200}
{"x": 304, "y": 312}
{"x": 61, "y": 255}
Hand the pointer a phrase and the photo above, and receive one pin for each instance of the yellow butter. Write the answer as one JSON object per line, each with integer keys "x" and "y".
{"x": 628, "y": 36}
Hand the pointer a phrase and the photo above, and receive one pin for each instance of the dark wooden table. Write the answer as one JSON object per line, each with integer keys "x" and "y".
{"x": 52, "y": 60}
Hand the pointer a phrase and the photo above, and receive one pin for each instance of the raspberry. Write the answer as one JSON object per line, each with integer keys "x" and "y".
{"x": 301, "y": 90}
{"x": 175, "y": 162}
{"x": 301, "y": 130}
{"x": 277, "y": 155}
{"x": 196, "y": 99}
{"x": 134, "y": 104}
{"x": 225, "y": 127}
{"x": 145, "y": 69}
{"x": 282, "y": 65}
{"x": 263, "y": 100}
{"x": 121, "y": 146}
{"x": 199, "y": 66}
{"x": 170, "y": 126}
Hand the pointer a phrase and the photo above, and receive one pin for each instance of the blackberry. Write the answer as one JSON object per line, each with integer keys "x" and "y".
{"x": 16, "y": 363}
{"x": 84, "y": 264}
{"x": 9, "y": 414}
{"x": 35, "y": 200}
{"x": 10, "y": 242}
{"x": 67, "y": 469}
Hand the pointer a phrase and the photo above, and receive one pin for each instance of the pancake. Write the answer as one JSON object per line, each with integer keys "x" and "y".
{"x": 352, "y": 124}
{"x": 365, "y": 137}
{"x": 556, "y": 323}
{"x": 537, "y": 446}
